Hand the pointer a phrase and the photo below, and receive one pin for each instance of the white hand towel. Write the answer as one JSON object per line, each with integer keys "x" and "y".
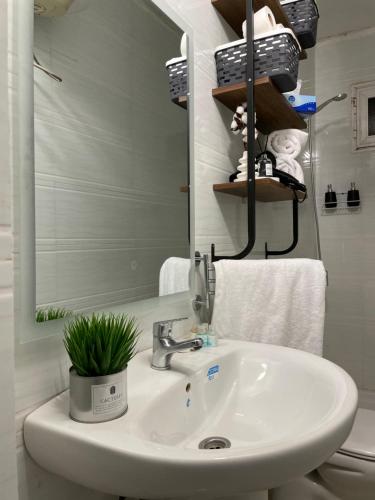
{"x": 290, "y": 166}
{"x": 174, "y": 276}
{"x": 271, "y": 301}
{"x": 287, "y": 142}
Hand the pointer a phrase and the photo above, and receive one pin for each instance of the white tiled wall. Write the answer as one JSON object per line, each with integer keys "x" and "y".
{"x": 108, "y": 141}
{"x": 348, "y": 241}
{"x": 8, "y": 471}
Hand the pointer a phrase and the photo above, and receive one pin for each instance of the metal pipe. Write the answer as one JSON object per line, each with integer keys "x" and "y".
{"x": 313, "y": 190}
{"x": 337, "y": 98}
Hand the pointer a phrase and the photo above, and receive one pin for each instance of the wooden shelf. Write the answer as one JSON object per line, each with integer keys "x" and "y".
{"x": 234, "y": 12}
{"x": 181, "y": 101}
{"x": 273, "y": 110}
{"x": 266, "y": 190}
{"x": 231, "y": 95}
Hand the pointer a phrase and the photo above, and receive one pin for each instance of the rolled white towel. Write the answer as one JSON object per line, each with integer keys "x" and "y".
{"x": 290, "y": 166}
{"x": 287, "y": 142}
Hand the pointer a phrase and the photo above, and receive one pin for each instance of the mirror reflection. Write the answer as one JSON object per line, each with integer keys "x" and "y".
{"x": 111, "y": 156}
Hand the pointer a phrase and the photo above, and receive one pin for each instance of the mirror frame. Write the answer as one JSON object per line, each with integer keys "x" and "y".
{"x": 22, "y": 153}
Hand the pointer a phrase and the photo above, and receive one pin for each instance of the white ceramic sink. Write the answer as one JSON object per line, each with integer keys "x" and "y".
{"x": 284, "y": 412}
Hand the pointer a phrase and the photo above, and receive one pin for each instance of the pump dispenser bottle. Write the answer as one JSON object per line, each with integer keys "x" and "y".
{"x": 330, "y": 197}
{"x": 353, "y": 199}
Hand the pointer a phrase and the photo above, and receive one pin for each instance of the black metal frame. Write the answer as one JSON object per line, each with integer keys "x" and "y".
{"x": 295, "y": 233}
{"x": 251, "y": 228}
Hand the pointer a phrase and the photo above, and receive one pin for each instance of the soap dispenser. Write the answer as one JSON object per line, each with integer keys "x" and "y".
{"x": 330, "y": 197}
{"x": 266, "y": 162}
{"x": 353, "y": 199}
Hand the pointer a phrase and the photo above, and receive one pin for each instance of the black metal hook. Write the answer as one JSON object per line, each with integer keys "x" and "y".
{"x": 295, "y": 234}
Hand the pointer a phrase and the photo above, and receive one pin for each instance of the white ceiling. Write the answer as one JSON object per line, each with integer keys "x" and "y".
{"x": 340, "y": 16}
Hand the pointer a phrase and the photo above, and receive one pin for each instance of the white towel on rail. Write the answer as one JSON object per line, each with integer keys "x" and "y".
{"x": 174, "y": 276}
{"x": 287, "y": 142}
{"x": 279, "y": 301}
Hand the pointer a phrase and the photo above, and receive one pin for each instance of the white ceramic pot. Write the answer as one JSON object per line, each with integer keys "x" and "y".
{"x": 98, "y": 399}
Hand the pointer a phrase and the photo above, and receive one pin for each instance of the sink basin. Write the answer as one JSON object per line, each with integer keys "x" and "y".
{"x": 283, "y": 412}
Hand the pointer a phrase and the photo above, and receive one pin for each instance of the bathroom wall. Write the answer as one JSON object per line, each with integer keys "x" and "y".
{"x": 107, "y": 145}
{"x": 348, "y": 240}
{"x": 8, "y": 471}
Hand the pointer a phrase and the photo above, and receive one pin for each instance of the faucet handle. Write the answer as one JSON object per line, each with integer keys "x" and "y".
{"x": 164, "y": 328}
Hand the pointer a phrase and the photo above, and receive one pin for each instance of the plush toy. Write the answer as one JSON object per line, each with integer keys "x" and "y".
{"x": 239, "y": 123}
{"x": 239, "y": 126}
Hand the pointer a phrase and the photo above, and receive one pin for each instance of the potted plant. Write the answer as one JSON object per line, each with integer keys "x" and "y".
{"x": 100, "y": 348}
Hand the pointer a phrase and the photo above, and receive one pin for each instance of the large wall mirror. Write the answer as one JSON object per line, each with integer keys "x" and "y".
{"x": 111, "y": 156}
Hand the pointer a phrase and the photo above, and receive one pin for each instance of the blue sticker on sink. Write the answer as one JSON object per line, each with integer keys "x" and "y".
{"x": 213, "y": 372}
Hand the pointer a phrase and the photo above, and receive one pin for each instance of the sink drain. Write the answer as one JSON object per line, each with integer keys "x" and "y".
{"x": 214, "y": 443}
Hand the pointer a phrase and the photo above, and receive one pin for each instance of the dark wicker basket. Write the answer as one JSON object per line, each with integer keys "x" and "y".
{"x": 178, "y": 77}
{"x": 303, "y": 15}
{"x": 281, "y": 63}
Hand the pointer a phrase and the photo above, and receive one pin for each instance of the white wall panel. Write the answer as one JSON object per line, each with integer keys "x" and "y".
{"x": 8, "y": 471}
{"x": 348, "y": 241}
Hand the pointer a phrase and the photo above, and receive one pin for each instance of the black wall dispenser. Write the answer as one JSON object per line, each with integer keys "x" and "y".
{"x": 341, "y": 203}
{"x": 353, "y": 198}
{"x": 330, "y": 198}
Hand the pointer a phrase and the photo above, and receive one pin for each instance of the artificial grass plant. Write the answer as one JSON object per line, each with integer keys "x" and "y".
{"x": 51, "y": 313}
{"x": 101, "y": 344}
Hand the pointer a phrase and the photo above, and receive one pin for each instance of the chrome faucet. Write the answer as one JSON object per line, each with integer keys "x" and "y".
{"x": 164, "y": 345}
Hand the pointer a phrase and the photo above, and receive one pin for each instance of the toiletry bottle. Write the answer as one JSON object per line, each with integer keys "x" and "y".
{"x": 265, "y": 166}
{"x": 353, "y": 199}
{"x": 211, "y": 337}
{"x": 202, "y": 333}
{"x": 330, "y": 197}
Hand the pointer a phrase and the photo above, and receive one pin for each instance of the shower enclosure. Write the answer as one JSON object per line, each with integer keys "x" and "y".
{"x": 310, "y": 157}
